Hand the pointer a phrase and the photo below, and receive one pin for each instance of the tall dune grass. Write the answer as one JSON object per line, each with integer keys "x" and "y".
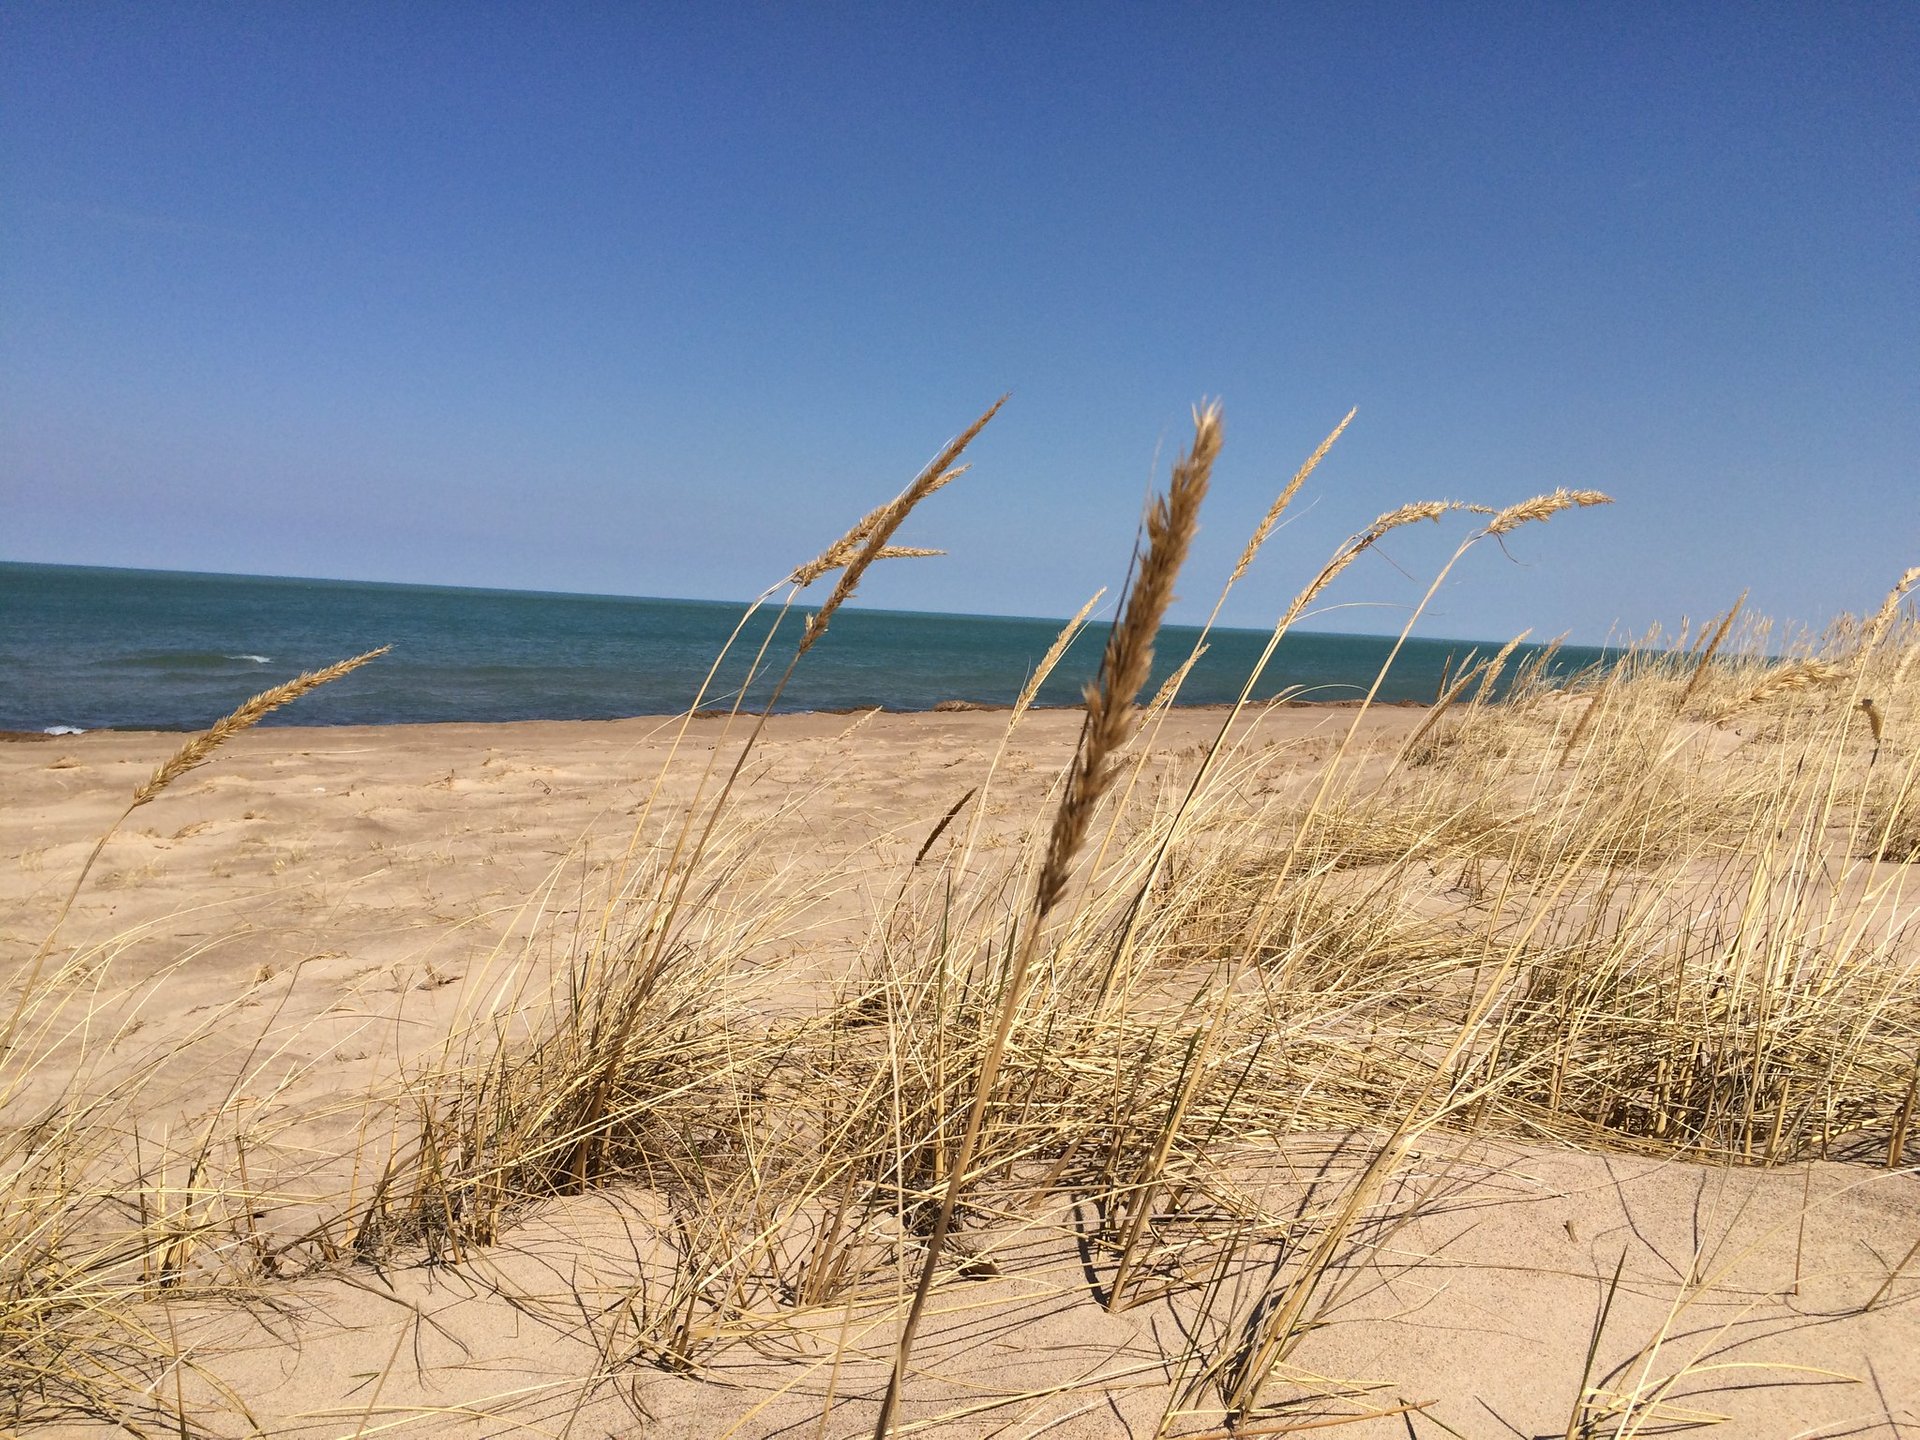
{"x": 1659, "y": 907}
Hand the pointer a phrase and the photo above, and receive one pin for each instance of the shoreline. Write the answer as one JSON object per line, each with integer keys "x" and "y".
{"x": 942, "y": 708}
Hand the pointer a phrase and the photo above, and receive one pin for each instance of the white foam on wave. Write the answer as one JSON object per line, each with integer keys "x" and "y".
{"x": 63, "y": 730}
{"x": 256, "y": 659}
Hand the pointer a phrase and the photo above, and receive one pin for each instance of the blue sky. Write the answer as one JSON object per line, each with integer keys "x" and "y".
{"x": 654, "y": 299}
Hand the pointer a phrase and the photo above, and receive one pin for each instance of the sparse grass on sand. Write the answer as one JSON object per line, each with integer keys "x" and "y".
{"x": 1191, "y": 1115}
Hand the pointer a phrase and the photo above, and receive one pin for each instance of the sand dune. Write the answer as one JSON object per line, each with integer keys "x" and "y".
{"x": 304, "y": 922}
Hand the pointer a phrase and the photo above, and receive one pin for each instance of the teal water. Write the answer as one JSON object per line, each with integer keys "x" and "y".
{"x": 92, "y": 648}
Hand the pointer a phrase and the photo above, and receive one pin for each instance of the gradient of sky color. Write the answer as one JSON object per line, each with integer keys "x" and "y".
{"x": 654, "y": 299}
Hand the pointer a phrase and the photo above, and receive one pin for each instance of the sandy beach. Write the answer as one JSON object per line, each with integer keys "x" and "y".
{"x": 310, "y": 869}
{"x": 296, "y": 928}
{"x": 565, "y": 876}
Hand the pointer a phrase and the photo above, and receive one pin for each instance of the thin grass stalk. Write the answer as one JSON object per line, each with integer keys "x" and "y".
{"x": 1883, "y": 618}
{"x": 1893, "y": 1276}
{"x": 1435, "y": 711}
{"x": 1539, "y": 508}
{"x": 1587, "y": 717}
{"x": 876, "y": 532}
{"x": 1577, "y": 1418}
{"x": 1055, "y": 653}
{"x": 1356, "y": 546}
{"x": 880, "y": 530}
{"x": 1146, "y": 1186}
{"x": 1707, "y": 653}
{"x": 190, "y": 756}
{"x": 1490, "y": 675}
{"x": 1897, "y": 1141}
{"x": 1171, "y": 687}
{"x": 1171, "y": 523}
{"x": 1281, "y": 1326}
{"x": 617, "y": 885}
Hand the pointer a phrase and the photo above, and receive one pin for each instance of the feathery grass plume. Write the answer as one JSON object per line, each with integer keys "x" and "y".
{"x": 1490, "y": 672}
{"x": 1883, "y": 617}
{"x": 1707, "y": 653}
{"x": 875, "y": 529}
{"x": 1170, "y": 687}
{"x": 878, "y": 529}
{"x": 1354, "y": 547}
{"x": 1054, "y": 652}
{"x": 1876, "y": 722}
{"x": 1587, "y": 717}
{"x": 847, "y": 547}
{"x": 1529, "y": 678}
{"x": 197, "y": 751}
{"x": 1365, "y": 540}
{"x": 865, "y": 543}
{"x": 1796, "y": 675}
{"x": 887, "y": 552}
{"x": 1171, "y": 522}
{"x": 1486, "y": 673}
{"x": 1265, "y": 527}
{"x": 940, "y": 829}
{"x": 1441, "y": 704}
{"x": 908, "y": 552}
{"x": 1543, "y": 507}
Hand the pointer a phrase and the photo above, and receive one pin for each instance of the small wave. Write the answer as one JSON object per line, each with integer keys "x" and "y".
{"x": 62, "y": 730}
{"x": 174, "y": 660}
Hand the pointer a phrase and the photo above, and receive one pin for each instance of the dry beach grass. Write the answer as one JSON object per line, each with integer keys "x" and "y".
{"x": 1544, "y": 1063}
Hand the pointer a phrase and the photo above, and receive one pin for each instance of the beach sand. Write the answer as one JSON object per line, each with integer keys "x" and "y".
{"x": 364, "y": 870}
{"x": 310, "y": 914}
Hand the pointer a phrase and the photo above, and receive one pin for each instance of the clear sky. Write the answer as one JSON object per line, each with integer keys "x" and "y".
{"x": 653, "y": 299}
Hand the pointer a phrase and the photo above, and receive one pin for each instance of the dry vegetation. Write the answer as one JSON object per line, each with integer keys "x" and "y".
{"x": 1205, "y": 1050}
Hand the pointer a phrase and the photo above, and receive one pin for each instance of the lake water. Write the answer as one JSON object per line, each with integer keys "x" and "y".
{"x": 89, "y": 648}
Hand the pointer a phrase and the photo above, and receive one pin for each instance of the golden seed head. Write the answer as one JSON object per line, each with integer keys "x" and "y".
{"x": 200, "y": 748}
{"x": 1543, "y": 507}
{"x": 1883, "y": 617}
